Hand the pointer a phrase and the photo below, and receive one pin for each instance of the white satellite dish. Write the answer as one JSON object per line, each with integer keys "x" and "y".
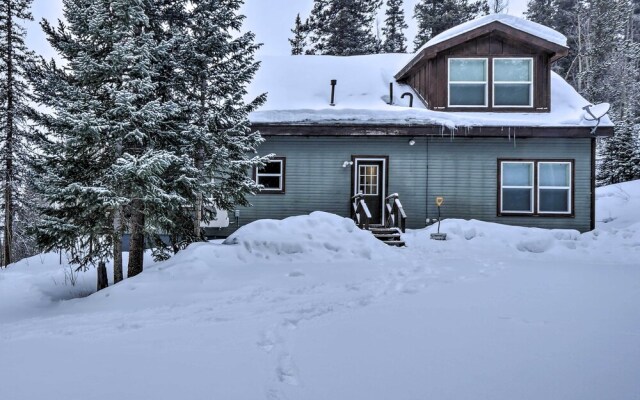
{"x": 594, "y": 113}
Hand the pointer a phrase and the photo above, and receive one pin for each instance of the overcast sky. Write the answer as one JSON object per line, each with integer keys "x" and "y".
{"x": 270, "y": 20}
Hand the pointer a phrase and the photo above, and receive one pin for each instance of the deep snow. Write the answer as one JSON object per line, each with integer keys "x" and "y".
{"x": 313, "y": 308}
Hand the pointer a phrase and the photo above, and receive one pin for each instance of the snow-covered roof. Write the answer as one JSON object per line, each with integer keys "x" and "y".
{"x": 530, "y": 27}
{"x": 298, "y": 92}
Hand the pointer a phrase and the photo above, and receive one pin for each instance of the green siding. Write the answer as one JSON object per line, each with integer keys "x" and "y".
{"x": 463, "y": 170}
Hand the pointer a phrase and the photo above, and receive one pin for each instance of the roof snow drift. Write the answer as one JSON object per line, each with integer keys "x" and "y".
{"x": 530, "y": 27}
{"x": 298, "y": 92}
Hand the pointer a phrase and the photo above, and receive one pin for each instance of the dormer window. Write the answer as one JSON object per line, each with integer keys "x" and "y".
{"x": 510, "y": 80}
{"x": 513, "y": 82}
{"x": 468, "y": 82}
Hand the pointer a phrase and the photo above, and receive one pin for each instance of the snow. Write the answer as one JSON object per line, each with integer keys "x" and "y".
{"x": 312, "y": 308}
{"x": 521, "y": 24}
{"x": 298, "y": 92}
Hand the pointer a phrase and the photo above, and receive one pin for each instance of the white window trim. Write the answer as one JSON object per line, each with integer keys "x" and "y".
{"x": 530, "y": 82}
{"x": 567, "y": 188}
{"x": 279, "y": 175}
{"x": 486, "y": 82}
{"x": 502, "y": 187}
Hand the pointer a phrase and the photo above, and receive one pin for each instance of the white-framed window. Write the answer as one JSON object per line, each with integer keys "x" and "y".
{"x": 369, "y": 176}
{"x": 554, "y": 187}
{"x": 513, "y": 82}
{"x": 271, "y": 176}
{"x": 468, "y": 82}
{"x": 517, "y": 187}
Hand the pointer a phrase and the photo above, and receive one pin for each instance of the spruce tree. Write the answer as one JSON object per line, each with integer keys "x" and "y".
{"x": 109, "y": 155}
{"x": 541, "y": 11}
{"x": 395, "y": 40}
{"x": 343, "y": 27}
{"x": 436, "y": 16}
{"x": 299, "y": 40}
{"x": 498, "y": 6}
{"x": 16, "y": 142}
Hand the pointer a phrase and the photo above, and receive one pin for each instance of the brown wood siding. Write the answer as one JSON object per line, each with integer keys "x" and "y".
{"x": 430, "y": 77}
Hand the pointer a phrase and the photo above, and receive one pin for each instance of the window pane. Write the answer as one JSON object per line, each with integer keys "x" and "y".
{"x": 512, "y": 70}
{"x": 554, "y": 200}
{"x": 467, "y": 95}
{"x": 512, "y": 94}
{"x": 272, "y": 167}
{"x": 552, "y": 174}
{"x": 467, "y": 70}
{"x": 516, "y": 200}
{"x": 517, "y": 174}
{"x": 269, "y": 182}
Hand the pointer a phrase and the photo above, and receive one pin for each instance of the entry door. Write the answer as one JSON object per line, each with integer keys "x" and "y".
{"x": 370, "y": 180}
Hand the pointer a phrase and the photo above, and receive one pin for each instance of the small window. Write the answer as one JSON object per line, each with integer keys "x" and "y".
{"x": 554, "y": 187}
{"x": 271, "y": 176}
{"x": 517, "y": 187}
{"x": 513, "y": 82}
{"x": 468, "y": 82}
{"x": 368, "y": 179}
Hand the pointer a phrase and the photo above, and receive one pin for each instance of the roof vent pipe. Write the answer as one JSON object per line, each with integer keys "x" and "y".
{"x": 334, "y": 82}
{"x": 390, "y": 93}
{"x": 410, "y": 98}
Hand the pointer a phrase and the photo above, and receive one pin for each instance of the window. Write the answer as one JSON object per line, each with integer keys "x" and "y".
{"x": 517, "y": 187}
{"x": 271, "y": 176}
{"x": 513, "y": 82}
{"x": 554, "y": 187}
{"x": 368, "y": 179}
{"x": 549, "y": 193}
{"x": 468, "y": 82}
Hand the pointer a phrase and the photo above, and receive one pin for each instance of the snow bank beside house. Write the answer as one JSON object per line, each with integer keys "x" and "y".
{"x": 319, "y": 235}
{"x": 299, "y": 91}
{"x": 618, "y": 206}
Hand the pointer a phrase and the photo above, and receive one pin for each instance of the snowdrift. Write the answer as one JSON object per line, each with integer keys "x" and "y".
{"x": 319, "y": 235}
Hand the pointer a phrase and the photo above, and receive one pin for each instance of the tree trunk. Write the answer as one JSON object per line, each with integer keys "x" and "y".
{"x": 117, "y": 246}
{"x": 136, "y": 244}
{"x": 8, "y": 156}
{"x": 103, "y": 282}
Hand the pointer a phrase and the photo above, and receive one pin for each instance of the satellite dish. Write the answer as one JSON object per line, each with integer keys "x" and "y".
{"x": 594, "y": 113}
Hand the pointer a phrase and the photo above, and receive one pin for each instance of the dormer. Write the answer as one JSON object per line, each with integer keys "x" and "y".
{"x": 496, "y": 63}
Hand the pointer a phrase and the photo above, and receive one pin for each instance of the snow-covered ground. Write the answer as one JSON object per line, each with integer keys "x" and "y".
{"x": 312, "y": 308}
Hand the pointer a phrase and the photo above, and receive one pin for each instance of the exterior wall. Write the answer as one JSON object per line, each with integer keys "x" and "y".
{"x": 434, "y": 90}
{"x": 463, "y": 170}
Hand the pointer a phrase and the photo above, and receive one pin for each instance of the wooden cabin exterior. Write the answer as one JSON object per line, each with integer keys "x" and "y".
{"x": 528, "y": 165}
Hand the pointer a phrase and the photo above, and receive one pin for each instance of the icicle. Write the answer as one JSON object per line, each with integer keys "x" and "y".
{"x": 514, "y": 136}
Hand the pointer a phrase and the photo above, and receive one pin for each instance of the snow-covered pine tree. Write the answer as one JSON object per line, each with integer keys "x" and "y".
{"x": 16, "y": 141}
{"x": 395, "y": 40}
{"x": 299, "y": 40}
{"x": 541, "y": 11}
{"x": 112, "y": 134}
{"x": 217, "y": 63}
{"x": 436, "y": 16}
{"x": 498, "y": 6}
{"x": 343, "y": 27}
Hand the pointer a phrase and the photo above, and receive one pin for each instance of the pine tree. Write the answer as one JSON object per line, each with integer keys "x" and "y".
{"x": 343, "y": 27}
{"x": 541, "y": 11}
{"x": 498, "y": 6}
{"x": 107, "y": 156}
{"x": 16, "y": 62}
{"x": 299, "y": 40}
{"x": 436, "y": 16}
{"x": 395, "y": 40}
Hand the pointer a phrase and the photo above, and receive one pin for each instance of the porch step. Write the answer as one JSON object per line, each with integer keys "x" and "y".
{"x": 390, "y": 236}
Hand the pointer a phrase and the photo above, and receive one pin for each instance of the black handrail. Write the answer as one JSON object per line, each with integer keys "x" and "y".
{"x": 396, "y": 217}
{"x": 360, "y": 212}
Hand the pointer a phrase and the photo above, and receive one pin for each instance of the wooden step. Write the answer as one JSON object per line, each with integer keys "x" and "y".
{"x": 377, "y": 231}
{"x": 382, "y": 236}
{"x": 398, "y": 243}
